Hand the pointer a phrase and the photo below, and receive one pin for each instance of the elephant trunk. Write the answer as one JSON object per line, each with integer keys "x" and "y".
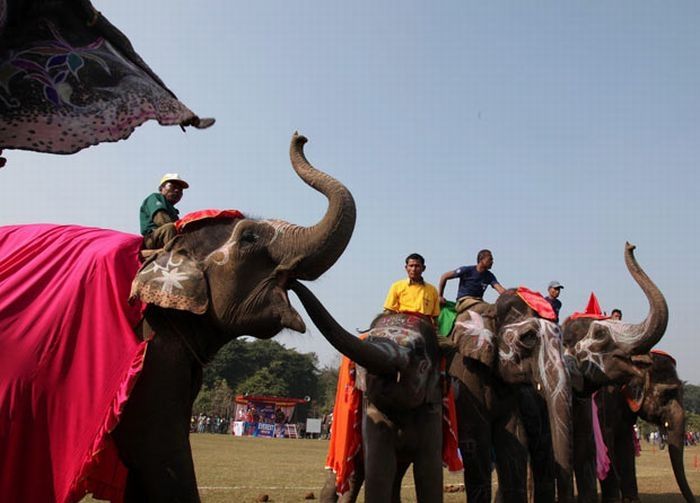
{"x": 640, "y": 338}
{"x": 378, "y": 357}
{"x": 313, "y": 250}
{"x": 554, "y": 384}
{"x": 676, "y": 442}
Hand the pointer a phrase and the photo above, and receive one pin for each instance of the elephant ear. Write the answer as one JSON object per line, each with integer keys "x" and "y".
{"x": 171, "y": 279}
{"x": 472, "y": 339}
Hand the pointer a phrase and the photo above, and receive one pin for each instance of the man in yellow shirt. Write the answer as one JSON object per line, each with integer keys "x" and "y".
{"x": 413, "y": 294}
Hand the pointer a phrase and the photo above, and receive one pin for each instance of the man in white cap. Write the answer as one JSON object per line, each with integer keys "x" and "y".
{"x": 158, "y": 213}
{"x": 553, "y": 290}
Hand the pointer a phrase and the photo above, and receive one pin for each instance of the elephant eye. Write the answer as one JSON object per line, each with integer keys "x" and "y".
{"x": 249, "y": 237}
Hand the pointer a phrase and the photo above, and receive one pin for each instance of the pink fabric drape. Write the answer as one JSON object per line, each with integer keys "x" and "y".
{"x": 68, "y": 359}
{"x": 602, "y": 460}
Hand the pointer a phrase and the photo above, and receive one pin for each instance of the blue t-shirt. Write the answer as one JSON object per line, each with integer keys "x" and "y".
{"x": 473, "y": 283}
{"x": 556, "y": 305}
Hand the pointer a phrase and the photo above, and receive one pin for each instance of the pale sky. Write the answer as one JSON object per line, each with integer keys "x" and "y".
{"x": 549, "y": 132}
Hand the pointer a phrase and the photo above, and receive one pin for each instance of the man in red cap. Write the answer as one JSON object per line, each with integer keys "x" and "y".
{"x": 158, "y": 213}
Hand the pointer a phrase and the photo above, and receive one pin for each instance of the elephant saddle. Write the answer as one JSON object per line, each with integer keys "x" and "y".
{"x": 69, "y": 359}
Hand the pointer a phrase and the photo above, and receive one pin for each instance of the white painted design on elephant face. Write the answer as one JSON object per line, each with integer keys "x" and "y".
{"x": 280, "y": 227}
{"x": 225, "y": 253}
{"x": 475, "y": 327}
{"x": 622, "y": 332}
{"x": 553, "y": 374}
{"x": 588, "y": 349}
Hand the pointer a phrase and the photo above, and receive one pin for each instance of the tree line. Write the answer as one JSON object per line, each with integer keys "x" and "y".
{"x": 264, "y": 367}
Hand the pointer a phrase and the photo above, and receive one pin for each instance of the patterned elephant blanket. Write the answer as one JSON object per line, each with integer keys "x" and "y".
{"x": 70, "y": 79}
{"x": 68, "y": 359}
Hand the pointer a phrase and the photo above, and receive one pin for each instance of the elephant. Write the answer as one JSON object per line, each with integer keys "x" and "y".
{"x": 399, "y": 362}
{"x": 70, "y": 79}
{"x": 602, "y": 352}
{"x": 500, "y": 353}
{"x": 217, "y": 280}
{"x": 562, "y": 367}
{"x": 657, "y": 397}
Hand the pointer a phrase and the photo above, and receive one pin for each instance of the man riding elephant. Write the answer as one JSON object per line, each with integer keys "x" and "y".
{"x": 473, "y": 281}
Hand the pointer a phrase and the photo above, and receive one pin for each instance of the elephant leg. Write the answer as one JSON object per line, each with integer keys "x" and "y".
{"x": 533, "y": 411}
{"x": 584, "y": 451}
{"x": 356, "y": 479}
{"x": 510, "y": 446}
{"x": 379, "y": 447}
{"x": 328, "y": 494}
{"x": 153, "y": 433}
{"x": 474, "y": 434}
{"x": 626, "y": 466}
{"x": 427, "y": 462}
{"x": 401, "y": 469}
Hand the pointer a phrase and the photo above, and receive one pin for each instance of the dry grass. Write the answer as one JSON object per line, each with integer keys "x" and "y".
{"x": 235, "y": 469}
{"x": 240, "y": 469}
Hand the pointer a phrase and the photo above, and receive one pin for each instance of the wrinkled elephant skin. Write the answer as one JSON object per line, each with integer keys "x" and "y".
{"x": 229, "y": 278}
{"x": 402, "y": 407}
{"x": 660, "y": 392}
{"x": 496, "y": 364}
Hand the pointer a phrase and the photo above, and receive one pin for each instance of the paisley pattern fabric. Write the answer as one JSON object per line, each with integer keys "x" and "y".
{"x": 70, "y": 79}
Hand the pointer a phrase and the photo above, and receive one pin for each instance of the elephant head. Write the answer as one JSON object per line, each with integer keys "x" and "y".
{"x": 400, "y": 354}
{"x": 662, "y": 405}
{"x": 234, "y": 272}
{"x": 602, "y": 348}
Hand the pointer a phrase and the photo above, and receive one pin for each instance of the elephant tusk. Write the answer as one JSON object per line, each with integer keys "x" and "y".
{"x": 398, "y": 375}
{"x": 539, "y": 386}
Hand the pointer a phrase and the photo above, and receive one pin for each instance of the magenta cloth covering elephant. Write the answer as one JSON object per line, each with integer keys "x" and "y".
{"x": 70, "y": 79}
{"x": 69, "y": 359}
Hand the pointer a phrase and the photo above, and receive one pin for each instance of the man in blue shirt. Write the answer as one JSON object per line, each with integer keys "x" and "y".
{"x": 473, "y": 281}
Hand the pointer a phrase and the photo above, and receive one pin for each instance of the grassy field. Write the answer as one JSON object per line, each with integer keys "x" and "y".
{"x": 240, "y": 469}
{"x": 235, "y": 469}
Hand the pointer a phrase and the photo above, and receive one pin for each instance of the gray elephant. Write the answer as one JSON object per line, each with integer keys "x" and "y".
{"x": 499, "y": 353}
{"x": 523, "y": 349}
{"x": 657, "y": 397}
{"x": 602, "y": 353}
{"x": 217, "y": 280}
{"x": 70, "y": 79}
{"x": 402, "y": 410}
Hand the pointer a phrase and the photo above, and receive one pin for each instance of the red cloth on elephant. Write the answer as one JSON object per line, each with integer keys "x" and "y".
{"x": 592, "y": 310}
{"x": 346, "y": 429}
{"x": 69, "y": 359}
{"x": 198, "y": 215}
{"x": 537, "y": 302}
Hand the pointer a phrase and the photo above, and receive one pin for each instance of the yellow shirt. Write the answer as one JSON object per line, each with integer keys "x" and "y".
{"x": 413, "y": 298}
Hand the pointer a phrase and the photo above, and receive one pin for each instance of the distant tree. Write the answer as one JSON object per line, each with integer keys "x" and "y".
{"x": 285, "y": 369}
{"x": 328, "y": 383}
{"x": 215, "y": 401}
{"x": 691, "y": 397}
{"x": 263, "y": 382}
{"x": 692, "y": 421}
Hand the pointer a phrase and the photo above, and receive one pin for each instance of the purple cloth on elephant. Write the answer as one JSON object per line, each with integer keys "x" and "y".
{"x": 70, "y": 79}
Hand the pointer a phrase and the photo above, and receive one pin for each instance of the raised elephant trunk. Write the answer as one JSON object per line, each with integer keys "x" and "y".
{"x": 676, "y": 442}
{"x": 313, "y": 250}
{"x": 378, "y": 357}
{"x": 640, "y": 338}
